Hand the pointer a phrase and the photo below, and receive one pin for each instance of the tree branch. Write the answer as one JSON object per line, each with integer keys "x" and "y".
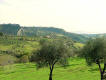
{"x": 50, "y": 66}
{"x": 100, "y": 67}
{"x": 55, "y": 62}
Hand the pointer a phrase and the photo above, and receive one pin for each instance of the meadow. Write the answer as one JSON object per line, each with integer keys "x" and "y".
{"x": 77, "y": 70}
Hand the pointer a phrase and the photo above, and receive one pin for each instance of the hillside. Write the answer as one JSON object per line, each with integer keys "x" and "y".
{"x": 10, "y": 29}
{"x": 18, "y": 46}
{"x": 95, "y": 35}
{"x": 14, "y": 29}
{"x": 43, "y": 31}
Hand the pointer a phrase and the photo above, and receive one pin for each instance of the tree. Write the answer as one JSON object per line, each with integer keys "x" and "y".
{"x": 24, "y": 59}
{"x": 51, "y": 52}
{"x": 1, "y": 34}
{"x": 95, "y": 52}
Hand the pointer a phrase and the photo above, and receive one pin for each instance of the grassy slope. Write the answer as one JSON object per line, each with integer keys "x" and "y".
{"x": 15, "y": 45}
{"x": 78, "y": 44}
{"x": 76, "y": 71}
{"x": 26, "y": 46}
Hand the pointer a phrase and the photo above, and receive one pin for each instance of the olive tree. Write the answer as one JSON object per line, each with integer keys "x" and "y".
{"x": 95, "y": 52}
{"x": 52, "y": 52}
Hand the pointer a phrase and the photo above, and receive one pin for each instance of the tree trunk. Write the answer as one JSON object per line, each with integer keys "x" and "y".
{"x": 50, "y": 75}
{"x": 100, "y": 69}
{"x": 101, "y": 76}
{"x": 51, "y": 71}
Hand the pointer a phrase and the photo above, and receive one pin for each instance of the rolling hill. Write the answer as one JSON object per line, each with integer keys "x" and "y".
{"x": 16, "y": 29}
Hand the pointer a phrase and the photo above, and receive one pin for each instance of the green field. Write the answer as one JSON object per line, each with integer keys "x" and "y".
{"x": 19, "y": 46}
{"x": 77, "y": 70}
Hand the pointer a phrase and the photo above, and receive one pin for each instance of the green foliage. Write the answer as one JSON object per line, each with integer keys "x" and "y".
{"x": 17, "y": 47}
{"x": 24, "y": 59}
{"x": 50, "y": 53}
{"x": 42, "y": 41}
{"x": 1, "y": 34}
{"x": 94, "y": 50}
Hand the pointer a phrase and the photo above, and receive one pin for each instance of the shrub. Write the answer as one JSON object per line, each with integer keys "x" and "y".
{"x": 24, "y": 59}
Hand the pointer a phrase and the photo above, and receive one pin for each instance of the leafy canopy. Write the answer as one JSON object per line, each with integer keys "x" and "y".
{"x": 52, "y": 52}
{"x": 94, "y": 50}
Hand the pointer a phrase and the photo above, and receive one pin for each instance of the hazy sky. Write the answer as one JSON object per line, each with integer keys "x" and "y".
{"x": 88, "y": 16}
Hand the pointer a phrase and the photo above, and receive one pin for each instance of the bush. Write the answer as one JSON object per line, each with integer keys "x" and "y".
{"x": 1, "y": 34}
{"x": 24, "y": 59}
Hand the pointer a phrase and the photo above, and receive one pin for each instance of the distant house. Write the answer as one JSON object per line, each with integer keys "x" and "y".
{"x": 21, "y": 32}
{"x": 47, "y": 36}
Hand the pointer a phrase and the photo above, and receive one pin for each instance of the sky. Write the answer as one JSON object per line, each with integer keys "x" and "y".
{"x": 79, "y": 16}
